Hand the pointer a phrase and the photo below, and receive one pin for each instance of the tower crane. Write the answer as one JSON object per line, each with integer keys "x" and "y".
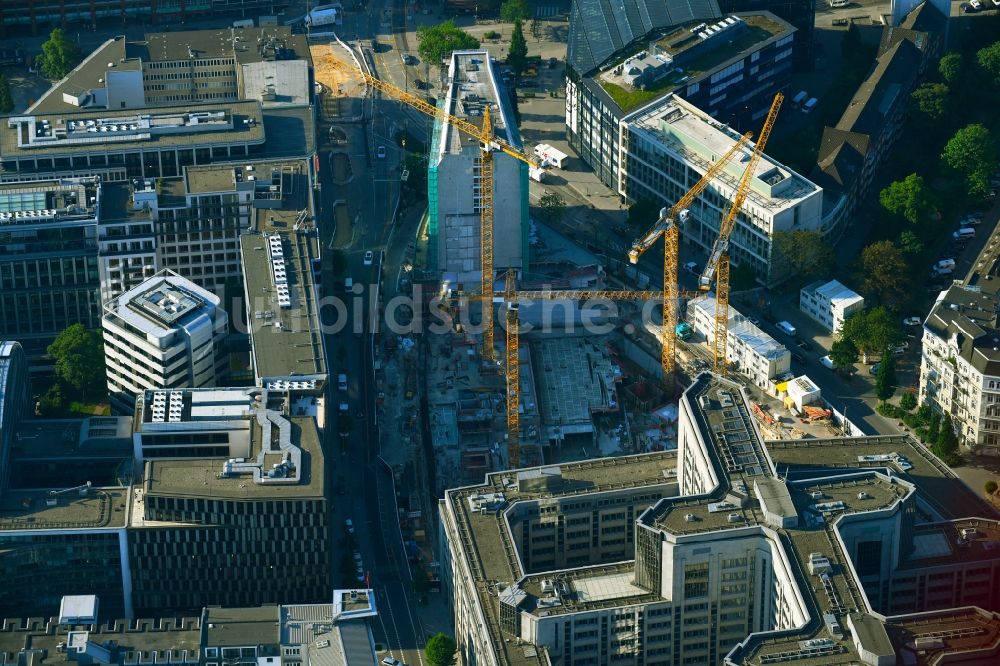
{"x": 718, "y": 261}
{"x": 667, "y": 226}
{"x": 325, "y": 64}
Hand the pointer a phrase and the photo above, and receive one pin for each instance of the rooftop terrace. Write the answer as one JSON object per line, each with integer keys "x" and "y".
{"x": 49, "y": 203}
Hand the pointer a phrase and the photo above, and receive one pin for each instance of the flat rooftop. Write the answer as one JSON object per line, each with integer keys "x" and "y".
{"x": 81, "y": 131}
{"x": 925, "y": 637}
{"x": 472, "y": 88}
{"x": 964, "y": 540}
{"x": 696, "y": 58}
{"x": 934, "y": 480}
{"x": 40, "y": 510}
{"x": 203, "y": 477}
{"x": 701, "y": 140}
{"x": 162, "y": 303}
{"x": 50, "y": 203}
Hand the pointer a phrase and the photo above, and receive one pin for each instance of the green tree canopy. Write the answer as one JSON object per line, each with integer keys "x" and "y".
{"x": 438, "y": 41}
{"x": 59, "y": 55}
{"x": 517, "y": 54}
{"x": 931, "y": 100}
{"x": 989, "y": 59}
{"x": 990, "y": 487}
{"x": 909, "y": 198}
{"x": 885, "y": 378}
{"x": 946, "y": 446}
{"x": 512, "y": 11}
{"x": 972, "y": 153}
{"x": 908, "y": 400}
{"x": 872, "y": 330}
{"x": 553, "y": 207}
{"x": 806, "y": 254}
{"x": 440, "y": 650}
{"x": 79, "y": 361}
{"x": 910, "y": 243}
{"x": 6, "y": 100}
{"x": 950, "y": 67}
{"x": 843, "y": 353}
{"x": 885, "y": 274}
{"x": 934, "y": 429}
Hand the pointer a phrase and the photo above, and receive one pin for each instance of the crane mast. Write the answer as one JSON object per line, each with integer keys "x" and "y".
{"x": 718, "y": 262}
{"x": 489, "y": 144}
{"x": 667, "y": 227}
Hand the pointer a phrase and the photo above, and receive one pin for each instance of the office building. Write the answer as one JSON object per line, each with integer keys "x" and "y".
{"x": 165, "y": 333}
{"x": 800, "y": 13}
{"x": 48, "y": 267}
{"x": 729, "y": 66}
{"x": 323, "y": 634}
{"x": 269, "y": 65}
{"x": 253, "y": 461}
{"x": 454, "y": 179}
{"x": 829, "y": 303}
{"x": 728, "y": 551}
{"x": 38, "y": 15}
{"x": 669, "y": 145}
{"x": 960, "y": 363}
{"x": 15, "y": 399}
{"x": 749, "y": 350}
{"x": 65, "y": 512}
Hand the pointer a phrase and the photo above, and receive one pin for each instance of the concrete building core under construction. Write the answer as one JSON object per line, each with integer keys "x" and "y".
{"x": 730, "y": 550}
{"x": 455, "y": 187}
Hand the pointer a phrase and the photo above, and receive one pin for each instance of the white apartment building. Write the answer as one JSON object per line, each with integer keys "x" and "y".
{"x": 710, "y": 554}
{"x": 455, "y": 181}
{"x": 830, "y": 303}
{"x": 667, "y": 146}
{"x": 165, "y": 333}
{"x": 960, "y": 364}
{"x": 750, "y": 350}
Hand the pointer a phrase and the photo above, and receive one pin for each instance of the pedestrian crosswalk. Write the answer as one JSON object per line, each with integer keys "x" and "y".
{"x": 545, "y": 11}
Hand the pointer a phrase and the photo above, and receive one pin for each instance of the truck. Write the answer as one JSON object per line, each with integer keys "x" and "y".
{"x": 684, "y": 331}
{"x": 325, "y": 15}
{"x": 536, "y": 173}
{"x": 550, "y": 156}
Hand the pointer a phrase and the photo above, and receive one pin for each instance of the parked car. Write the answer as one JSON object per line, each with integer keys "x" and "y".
{"x": 369, "y": 256}
{"x": 786, "y": 328}
{"x": 874, "y": 369}
{"x": 349, "y": 526}
{"x": 380, "y": 153}
{"x": 798, "y": 358}
{"x": 911, "y": 321}
{"x": 389, "y": 661}
{"x": 827, "y": 362}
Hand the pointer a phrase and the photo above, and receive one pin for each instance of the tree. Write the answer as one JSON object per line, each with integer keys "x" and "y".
{"x": 908, "y": 401}
{"x": 438, "y": 41}
{"x": 934, "y": 429}
{"x": 885, "y": 274}
{"x": 910, "y": 243}
{"x": 872, "y": 330}
{"x": 6, "y": 101}
{"x": 932, "y": 100}
{"x": 990, "y": 487}
{"x": 989, "y": 59}
{"x": 843, "y": 353}
{"x": 946, "y": 446}
{"x": 553, "y": 207}
{"x": 51, "y": 402}
{"x": 512, "y": 11}
{"x": 806, "y": 254}
{"x": 909, "y": 198}
{"x": 972, "y": 153}
{"x": 517, "y": 54}
{"x": 79, "y": 361}
{"x": 58, "y": 56}
{"x": 950, "y": 67}
{"x": 885, "y": 378}
{"x": 440, "y": 650}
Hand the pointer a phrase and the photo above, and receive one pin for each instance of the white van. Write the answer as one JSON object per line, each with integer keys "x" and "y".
{"x": 243, "y": 23}
{"x": 810, "y": 105}
{"x": 965, "y": 233}
{"x": 839, "y": 3}
{"x": 786, "y": 328}
{"x": 800, "y": 97}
